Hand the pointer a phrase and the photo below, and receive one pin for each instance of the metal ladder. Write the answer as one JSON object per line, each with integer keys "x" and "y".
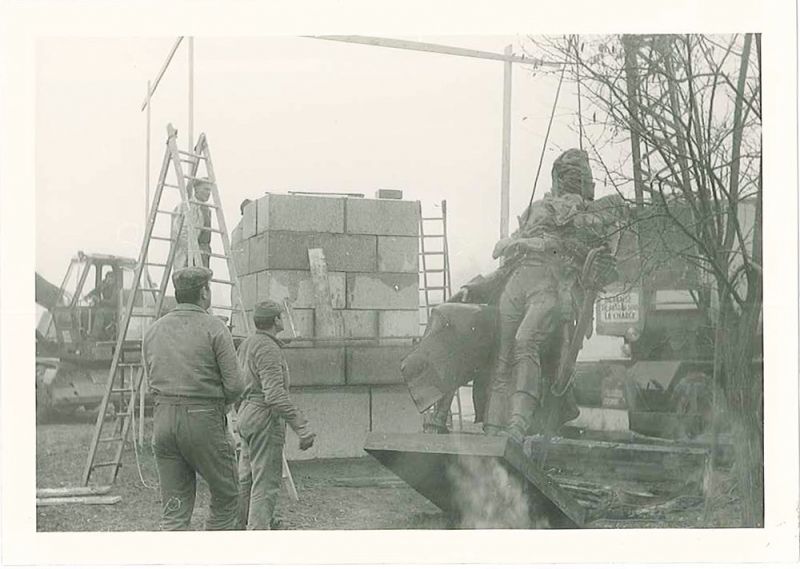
{"x": 126, "y": 373}
{"x": 436, "y": 285}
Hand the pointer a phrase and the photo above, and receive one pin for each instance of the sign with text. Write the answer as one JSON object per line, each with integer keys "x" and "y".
{"x": 623, "y": 307}
{"x": 616, "y": 312}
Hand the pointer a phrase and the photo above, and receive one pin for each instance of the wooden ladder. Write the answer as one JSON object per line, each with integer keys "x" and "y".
{"x": 436, "y": 288}
{"x": 126, "y": 373}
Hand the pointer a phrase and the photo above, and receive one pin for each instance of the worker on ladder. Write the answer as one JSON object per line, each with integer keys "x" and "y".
{"x": 538, "y": 289}
{"x": 199, "y": 216}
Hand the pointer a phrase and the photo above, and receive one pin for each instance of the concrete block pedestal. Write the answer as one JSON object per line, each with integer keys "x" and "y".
{"x": 350, "y": 386}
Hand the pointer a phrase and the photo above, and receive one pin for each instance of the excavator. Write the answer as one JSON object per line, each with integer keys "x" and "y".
{"x": 76, "y": 335}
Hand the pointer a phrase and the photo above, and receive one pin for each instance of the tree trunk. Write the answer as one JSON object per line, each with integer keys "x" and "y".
{"x": 743, "y": 397}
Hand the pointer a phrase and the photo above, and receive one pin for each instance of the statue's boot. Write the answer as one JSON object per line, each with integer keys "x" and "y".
{"x": 525, "y": 399}
{"x": 496, "y": 413}
{"x": 436, "y": 422}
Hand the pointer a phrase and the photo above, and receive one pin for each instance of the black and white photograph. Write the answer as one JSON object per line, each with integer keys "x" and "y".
{"x": 323, "y": 280}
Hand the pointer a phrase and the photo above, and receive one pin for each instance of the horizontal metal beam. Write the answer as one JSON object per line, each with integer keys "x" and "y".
{"x": 434, "y": 48}
{"x": 161, "y": 73}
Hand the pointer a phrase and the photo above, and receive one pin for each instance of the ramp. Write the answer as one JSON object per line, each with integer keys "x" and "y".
{"x": 481, "y": 481}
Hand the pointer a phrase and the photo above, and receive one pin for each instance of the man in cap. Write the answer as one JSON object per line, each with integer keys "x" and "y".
{"x": 540, "y": 288}
{"x": 263, "y": 414}
{"x": 190, "y": 360}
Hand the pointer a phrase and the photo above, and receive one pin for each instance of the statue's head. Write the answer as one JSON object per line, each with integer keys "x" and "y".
{"x": 572, "y": 174}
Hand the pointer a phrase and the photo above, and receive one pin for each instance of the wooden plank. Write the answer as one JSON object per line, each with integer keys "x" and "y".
{"x": 328, "y": 323}
{"x": 72, "y": 491}
{"x": 436, "y": 48}
{"x": 161, "y": 73}
{"x": 505, "y": 169}
{"x": 288, "y": 481}
{"x": 626, "y": 461}
{"x": 82, "y": 500}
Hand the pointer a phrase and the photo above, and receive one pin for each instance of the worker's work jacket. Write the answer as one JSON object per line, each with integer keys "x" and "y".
{"x": 199, "y": 216}
{"x": 266, "y": 378}
{"x": 190, "y": 353}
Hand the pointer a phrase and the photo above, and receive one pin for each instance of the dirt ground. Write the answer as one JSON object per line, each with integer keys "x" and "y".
{"x": 333, "y": 494}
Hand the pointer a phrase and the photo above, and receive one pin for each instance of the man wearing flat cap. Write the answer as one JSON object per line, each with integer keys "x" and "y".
{"x": 263, "y": 415}
{"x": 191, "y": 363}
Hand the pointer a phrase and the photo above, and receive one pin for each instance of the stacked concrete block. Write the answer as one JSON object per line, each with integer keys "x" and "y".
{"x": 393, "y": 411}
{"x": 371, "y": 251}
{"x": 339, "y": 415}
{"x": 352, "y": 384}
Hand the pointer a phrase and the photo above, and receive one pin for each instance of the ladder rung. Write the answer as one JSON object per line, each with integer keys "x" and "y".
{"x": 121, "y": 390}
{"x": 436, "y": 236}
{"x": 220, "y": 281}
{"x": 167, "y": 212}
{"x": 211, "y": 229}
{"x": 104, "y": 464}
{"x": 149, "y": 264}
{"x": 149, "y": 289}
{"x": 204, "y": 204}
{"x": 432, "y": 219}
{"x": 126, "y": 364}
{"x": 166, "y": 185}
{"x": 217, "y": 256}
{"x": 196, "y": 179}
{"x": 231, "y": 308}
{"x": 110, "y": 440}
{"x": 161, "y": 238}
{"x": 433, "y": 271}
{"x": 433, "y": 288}
{"x": 192, "y": 154}
{"x": 431, "y": 253}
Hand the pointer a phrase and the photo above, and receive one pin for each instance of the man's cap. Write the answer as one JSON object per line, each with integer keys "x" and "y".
{"x": 267, "y": 309}
{"x": 191, "y": 277}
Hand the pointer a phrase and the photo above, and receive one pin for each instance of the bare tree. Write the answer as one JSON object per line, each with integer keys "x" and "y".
{"x": 678, "y": 120}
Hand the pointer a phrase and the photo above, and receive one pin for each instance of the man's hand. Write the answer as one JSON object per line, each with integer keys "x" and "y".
{"x": 307, "y": 441}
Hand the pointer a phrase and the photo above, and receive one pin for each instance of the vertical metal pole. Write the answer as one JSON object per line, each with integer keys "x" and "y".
{"x": 632, "y": 85}
{"x": 190, "y": 139}
{"x": 143, "y": 385}
{"x": 505, "y": 175}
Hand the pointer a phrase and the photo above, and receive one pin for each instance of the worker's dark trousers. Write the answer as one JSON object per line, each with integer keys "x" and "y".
{"x": 529, "y": 323}
{"x": 262, "y": 436}
{"x": 190, "y": 437}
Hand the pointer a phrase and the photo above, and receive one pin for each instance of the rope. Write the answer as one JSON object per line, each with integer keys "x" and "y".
{"x": 578, "y": 80}
{"x": 136, "y": 448}
{"x": 544, "y": 144}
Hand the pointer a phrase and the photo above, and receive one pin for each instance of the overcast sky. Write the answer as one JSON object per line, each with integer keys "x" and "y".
{"x": 286, "y": 114}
